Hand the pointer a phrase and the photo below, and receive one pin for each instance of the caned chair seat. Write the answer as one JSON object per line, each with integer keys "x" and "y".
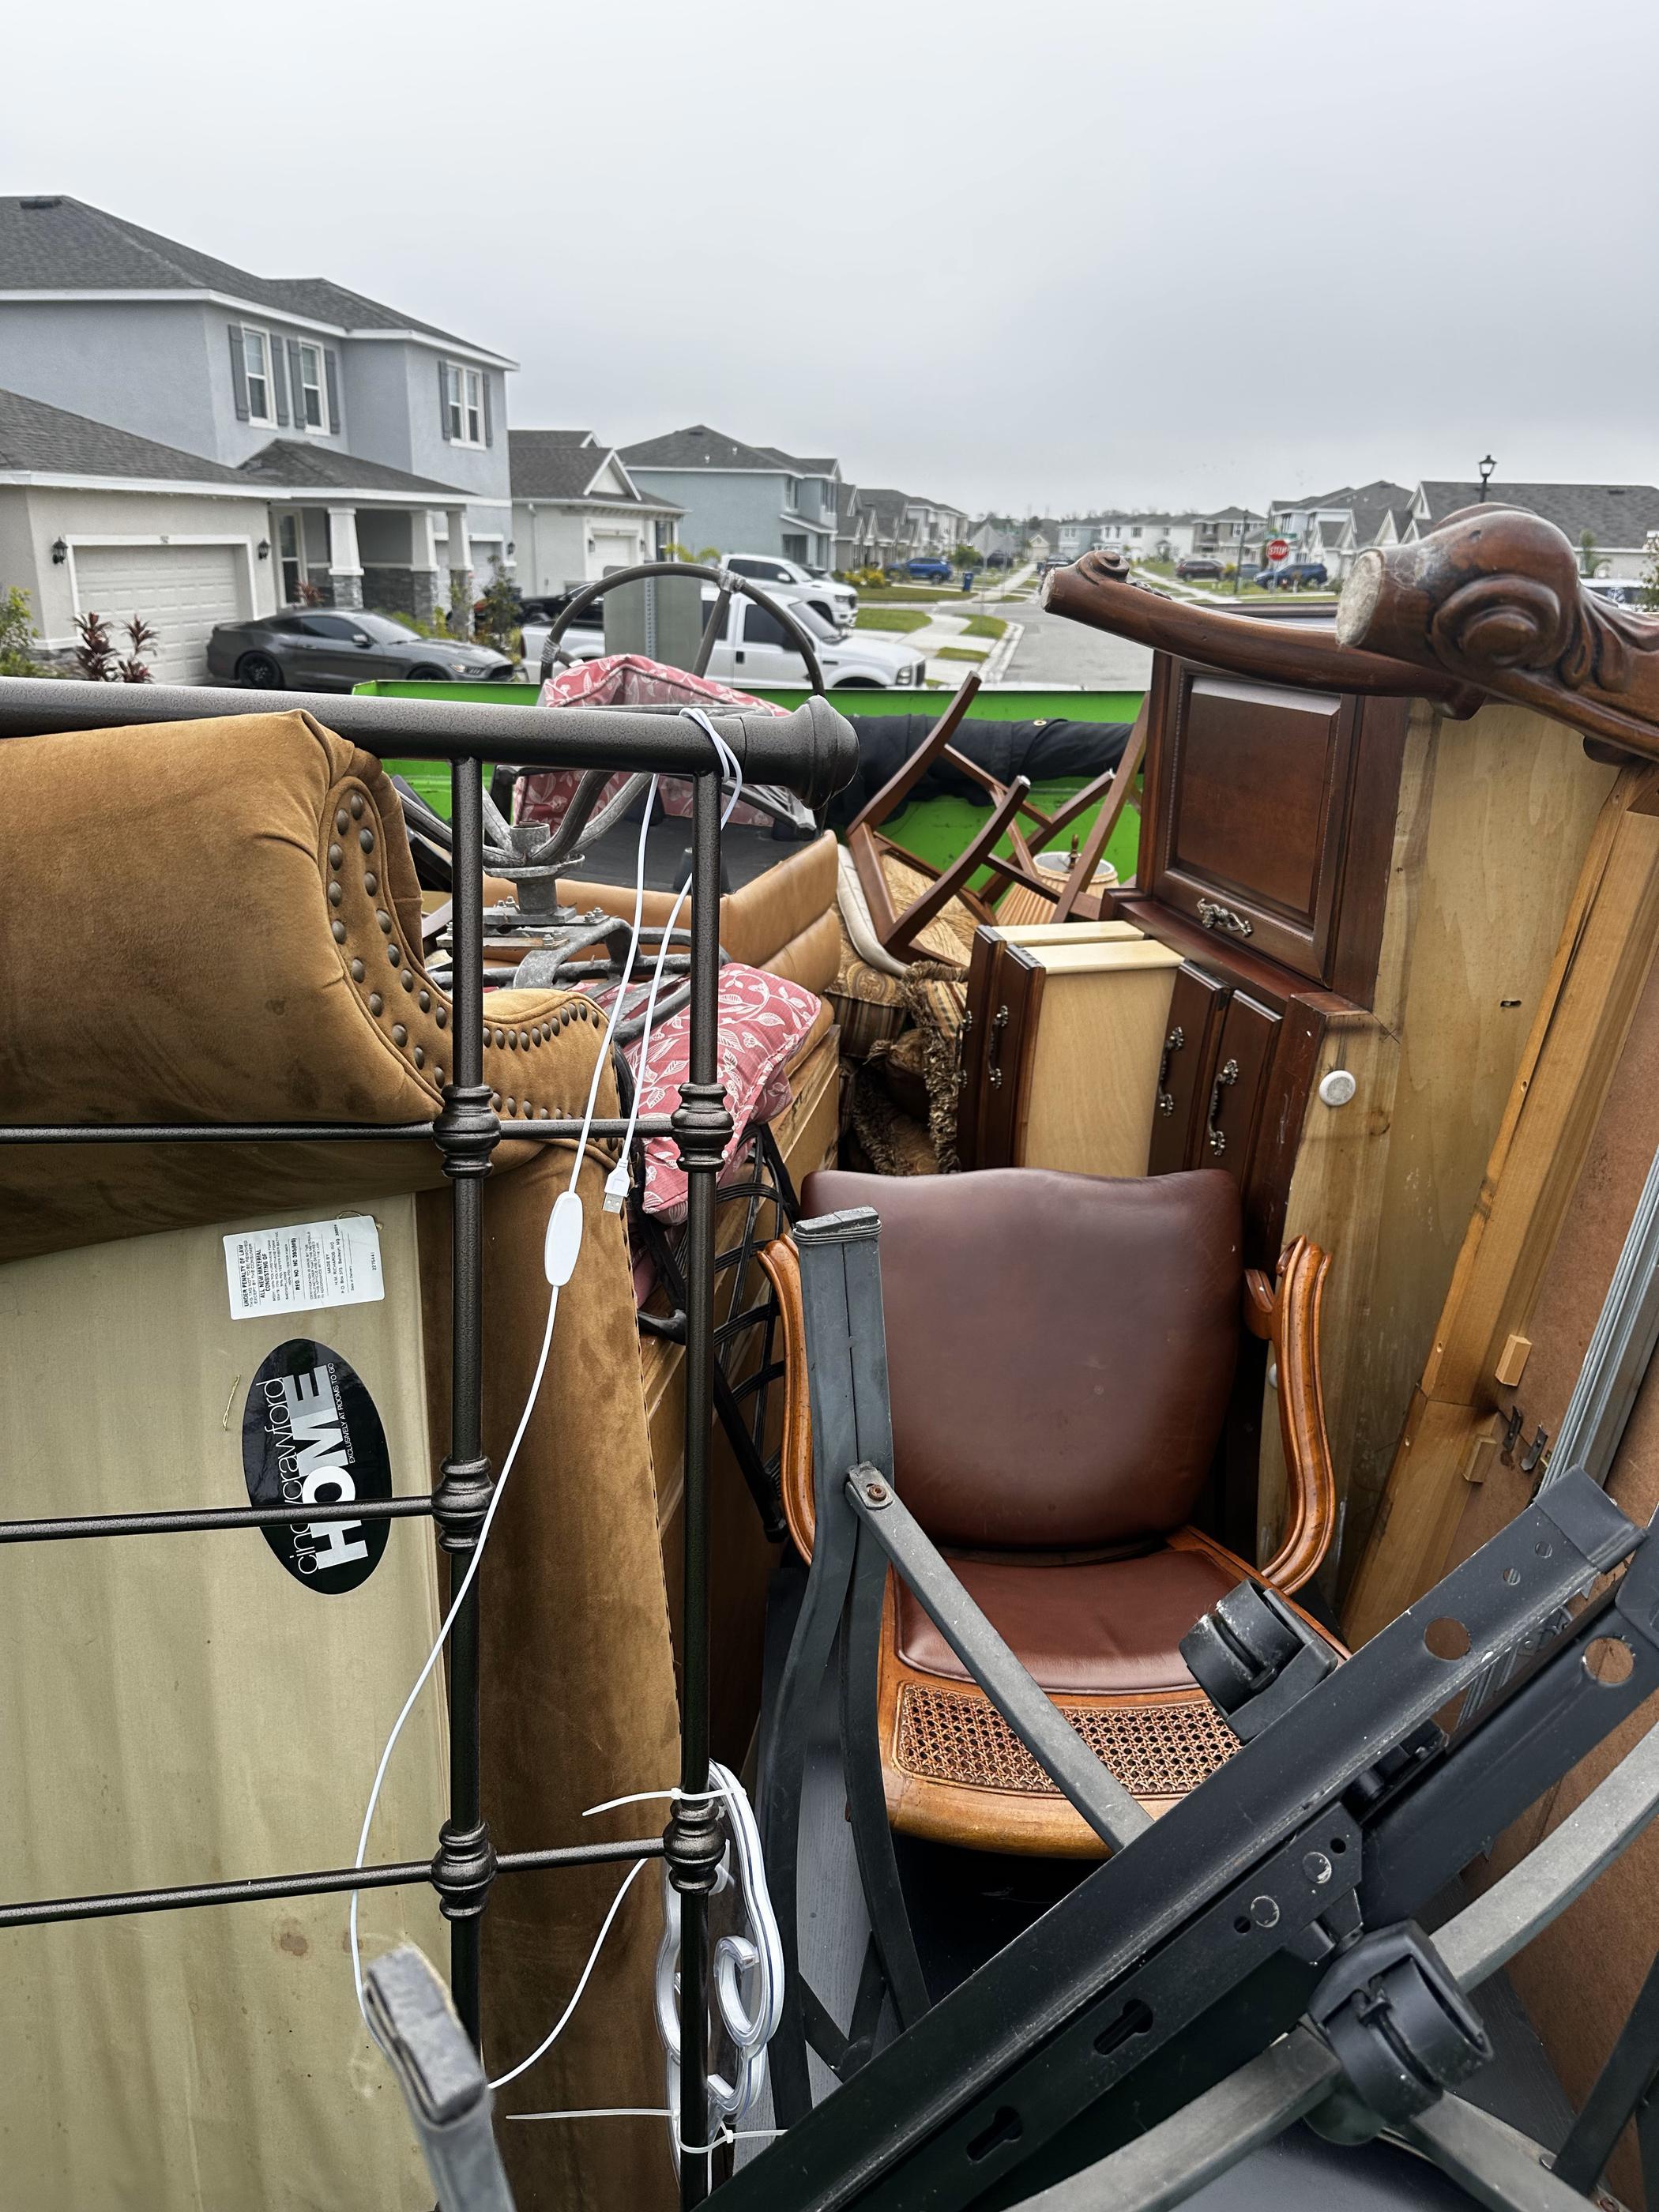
{"x": 1060, "y": 1352}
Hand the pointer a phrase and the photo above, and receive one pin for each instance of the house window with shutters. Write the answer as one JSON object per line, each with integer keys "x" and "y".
{"x": 256, "y": 367}
{"x": 308, "y": 388}
{"x": 467, "y": 405}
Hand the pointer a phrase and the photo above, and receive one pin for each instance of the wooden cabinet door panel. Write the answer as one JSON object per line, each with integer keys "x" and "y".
{"x": 1256, "y": 791}
{"x": 1226, "y": 1136}
{"x": 1196, "y": 1007}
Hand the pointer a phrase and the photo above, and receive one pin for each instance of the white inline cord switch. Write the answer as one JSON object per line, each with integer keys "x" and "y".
{"x": 564, "y": 1239}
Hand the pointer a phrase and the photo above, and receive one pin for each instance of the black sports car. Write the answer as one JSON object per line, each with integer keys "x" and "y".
{"x": 327, "y": 650}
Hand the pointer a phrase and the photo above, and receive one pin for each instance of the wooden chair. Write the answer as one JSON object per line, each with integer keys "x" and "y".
{"x": 1060, "y": 1352}
{"x": 898, "y": 929}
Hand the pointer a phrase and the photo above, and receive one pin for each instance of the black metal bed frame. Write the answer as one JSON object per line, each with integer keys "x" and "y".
{"x": 812, "y": 753}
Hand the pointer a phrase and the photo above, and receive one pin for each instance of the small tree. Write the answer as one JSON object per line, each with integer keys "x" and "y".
{"x": 95, "y": 656}
{"x": 497, "y": 615}
{"x": 965, "y": 555}
{"x": 17, "y": 633}
{"x": 1587, "y": 553}
{"x": 140, "y": 637}
{"x": 705, "y": 556}
{"x": 1651, "y": 576}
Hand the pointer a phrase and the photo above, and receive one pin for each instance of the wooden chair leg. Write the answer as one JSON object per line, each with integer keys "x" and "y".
{"x": 1088, "y": 859}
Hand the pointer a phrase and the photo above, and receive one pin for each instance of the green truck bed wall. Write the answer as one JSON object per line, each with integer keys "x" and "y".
{"x": 936, "y": 828}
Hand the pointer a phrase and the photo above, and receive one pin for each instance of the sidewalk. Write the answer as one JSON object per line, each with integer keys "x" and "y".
{"x": 943, "y": 629}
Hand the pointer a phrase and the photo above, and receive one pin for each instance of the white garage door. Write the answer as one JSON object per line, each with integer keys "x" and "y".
{"x": 181, "y": 590}
{"x": 613, "y": 550}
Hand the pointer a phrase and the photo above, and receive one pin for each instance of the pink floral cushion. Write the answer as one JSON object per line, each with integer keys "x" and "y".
{"x": 763, "y": 1020}
{"x": 625, "y": 679}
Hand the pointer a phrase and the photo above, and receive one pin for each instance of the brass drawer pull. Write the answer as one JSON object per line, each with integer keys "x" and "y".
{"x": 1224, "y": 1077}
{"x": 994, "y": 1063}
{"x": 1214, "y": 915}
{"x": 1172, "y": 1044}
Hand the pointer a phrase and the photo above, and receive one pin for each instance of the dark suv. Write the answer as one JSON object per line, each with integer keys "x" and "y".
{"x": 1292, "y": 577}
{"x": 1203, "y": 565}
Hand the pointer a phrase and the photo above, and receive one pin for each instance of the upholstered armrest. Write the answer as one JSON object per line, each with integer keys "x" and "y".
{"x": 220, "y": 921}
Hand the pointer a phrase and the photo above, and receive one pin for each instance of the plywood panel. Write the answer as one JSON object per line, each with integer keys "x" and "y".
{"x": 1579, "y": 1013}
{"x": 1494, "y": 816}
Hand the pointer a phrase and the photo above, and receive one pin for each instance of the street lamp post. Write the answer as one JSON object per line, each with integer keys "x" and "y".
{"x": 1485, "y": 468}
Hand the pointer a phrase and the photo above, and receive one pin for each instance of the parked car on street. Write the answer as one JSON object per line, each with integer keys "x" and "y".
{"x": 1292, "y": 577}
{"x": 1203, "y": 565}
{"x": 928, "y": 564}
{"x": 787, "y": 580}
{"x": 316, "y": 649}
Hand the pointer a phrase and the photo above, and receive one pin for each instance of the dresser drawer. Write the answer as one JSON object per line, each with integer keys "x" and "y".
{"x": 1270, "y": 821}
{"x": 1197, "y": 1006}
{"x": 1247, "y": 1033}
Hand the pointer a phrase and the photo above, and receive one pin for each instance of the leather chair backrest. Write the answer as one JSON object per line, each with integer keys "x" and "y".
{"x": 1061, "y": 1348}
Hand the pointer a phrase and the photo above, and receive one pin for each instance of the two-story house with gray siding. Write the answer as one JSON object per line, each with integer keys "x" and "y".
{"x": 740, "y": 498}
{"x": 372, "y": 445}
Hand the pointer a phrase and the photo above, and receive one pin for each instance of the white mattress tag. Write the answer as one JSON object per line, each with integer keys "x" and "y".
{"x": 304, "y": 1265}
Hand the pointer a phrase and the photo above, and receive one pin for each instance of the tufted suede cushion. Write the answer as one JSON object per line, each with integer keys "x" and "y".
{"x": 219, "y": 921}
{"x": 1060, "y": 1347}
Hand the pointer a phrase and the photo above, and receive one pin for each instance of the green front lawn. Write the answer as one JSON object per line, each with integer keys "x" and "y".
{"x": 959, "y": 653}
{"x": 985, "y": 626}
{"x": 893, "y": 618}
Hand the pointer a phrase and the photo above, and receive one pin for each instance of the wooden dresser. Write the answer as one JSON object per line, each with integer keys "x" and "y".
{"x": 1362, "y": 887}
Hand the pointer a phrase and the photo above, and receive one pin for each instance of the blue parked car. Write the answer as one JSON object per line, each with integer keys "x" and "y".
{"x": 928, "y": 564}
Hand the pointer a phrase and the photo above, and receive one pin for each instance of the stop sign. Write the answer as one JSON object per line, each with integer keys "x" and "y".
{"x": 1277, "y": 549}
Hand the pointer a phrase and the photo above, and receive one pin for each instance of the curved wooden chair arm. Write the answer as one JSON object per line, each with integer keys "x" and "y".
{"x": 782, "y": 1265}
{"x": 1291, "y": 1326}
{"x": 1099, "y": 590}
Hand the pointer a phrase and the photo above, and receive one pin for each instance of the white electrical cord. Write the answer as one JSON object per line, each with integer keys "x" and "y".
{"x": 562, "y": 1247}
{"x": 562, "y": 1244}
{"x": 750, "y": 2018}
{"x": 615, "y": 1184}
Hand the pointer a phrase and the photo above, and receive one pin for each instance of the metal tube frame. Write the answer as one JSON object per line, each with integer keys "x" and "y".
{"x": 812, "y": 757}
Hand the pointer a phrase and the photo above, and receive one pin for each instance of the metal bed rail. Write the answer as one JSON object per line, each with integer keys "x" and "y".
{"x": 811, "y": 752}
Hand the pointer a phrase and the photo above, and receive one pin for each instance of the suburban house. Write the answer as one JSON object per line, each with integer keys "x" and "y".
{"x": 1141, "y": 537}
{"x": 355, "y": 455}
{"x": 1614, "y": 526}
{"x": 1338, "y": 525}
{"x": 740, "y": 498}
{"x": 996, "y": 534}
{"x": 883, "y": 530}
{"x": 933, "y": 526}
{"x": 577, "y": 513}
{"x": 1231, "y": 534}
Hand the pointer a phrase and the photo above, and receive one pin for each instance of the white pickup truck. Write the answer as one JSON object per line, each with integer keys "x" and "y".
{"x": 787, "y": 580}
{"x": 755, "y": 648}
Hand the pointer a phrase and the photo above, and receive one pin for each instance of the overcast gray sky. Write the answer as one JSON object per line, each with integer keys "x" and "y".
{"x": 1047, "y": 255}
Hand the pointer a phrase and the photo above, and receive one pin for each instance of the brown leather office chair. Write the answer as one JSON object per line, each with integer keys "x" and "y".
{"x": 1061, "y": 1354}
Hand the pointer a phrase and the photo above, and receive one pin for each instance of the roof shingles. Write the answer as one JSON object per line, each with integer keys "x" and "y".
{"x": 51, "y": 242}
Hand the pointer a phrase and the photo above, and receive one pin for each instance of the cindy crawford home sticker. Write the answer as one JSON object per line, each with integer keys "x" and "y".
{"x": 304, "y": 1265}
{"x": 312, "y": 1436}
